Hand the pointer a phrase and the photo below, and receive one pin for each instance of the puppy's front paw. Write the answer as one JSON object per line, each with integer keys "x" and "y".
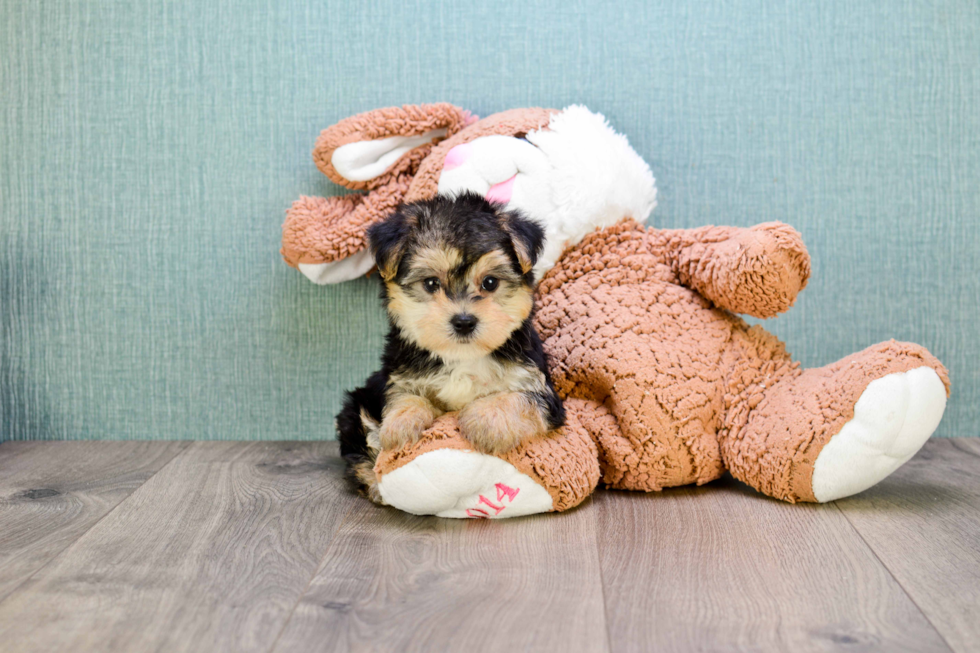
{"x": 405, "y": 421}
{"x": 395, "y": 434}
{"x": 498, "y": 423}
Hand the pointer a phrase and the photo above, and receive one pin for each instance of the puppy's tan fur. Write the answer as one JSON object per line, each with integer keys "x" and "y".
{"x": 458, "y": 288}
{"x": 469, "y": 373}
{"x": 425, "y": 319}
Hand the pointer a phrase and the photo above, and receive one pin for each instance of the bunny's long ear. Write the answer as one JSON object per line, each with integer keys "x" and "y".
{"x": 326, "y": 237}
{"x": 370, "y": 149}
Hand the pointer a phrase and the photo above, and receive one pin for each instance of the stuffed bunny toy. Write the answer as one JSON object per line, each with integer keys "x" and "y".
{"x": 663, "y": 384}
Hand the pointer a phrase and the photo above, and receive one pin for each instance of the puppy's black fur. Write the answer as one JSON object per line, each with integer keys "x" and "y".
{"x": 474, "y": 227}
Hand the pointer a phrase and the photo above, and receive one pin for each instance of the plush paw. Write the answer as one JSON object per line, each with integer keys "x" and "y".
{"x": 455, "y": 483}
{"x": 498, "y": 423}
{"x": 893, "y": 418}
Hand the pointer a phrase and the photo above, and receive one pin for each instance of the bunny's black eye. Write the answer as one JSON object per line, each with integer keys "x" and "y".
{"x": 431, "y": 285}
{"x": 490, "y": 284}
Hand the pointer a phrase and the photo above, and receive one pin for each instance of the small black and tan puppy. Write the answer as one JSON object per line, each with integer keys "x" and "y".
{"x": 458, "y": 287}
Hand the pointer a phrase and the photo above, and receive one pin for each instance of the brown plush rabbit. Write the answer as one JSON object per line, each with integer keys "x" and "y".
{"x": 663, "y": 384}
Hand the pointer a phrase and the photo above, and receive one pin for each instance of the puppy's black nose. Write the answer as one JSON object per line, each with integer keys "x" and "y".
{"x": 463, "y": 323}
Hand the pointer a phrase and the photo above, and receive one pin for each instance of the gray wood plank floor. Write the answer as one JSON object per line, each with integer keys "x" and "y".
{"x": 50, "y": 495}
{"x": 259, "y": 546}
{"x": 721, "y": 568}
{"x": 429, "y": 584}
{"x": 923, "y": 523}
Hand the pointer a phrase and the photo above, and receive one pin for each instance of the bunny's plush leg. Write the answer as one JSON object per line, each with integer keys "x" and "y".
{"x": 441, "y": 474}
{"x": 826, "y": 433}
{"x": 619, "y": 458}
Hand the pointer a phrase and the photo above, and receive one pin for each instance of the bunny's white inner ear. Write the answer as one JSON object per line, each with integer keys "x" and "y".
{"x": 365, "y": 160}
{"x": 346, "y": 269}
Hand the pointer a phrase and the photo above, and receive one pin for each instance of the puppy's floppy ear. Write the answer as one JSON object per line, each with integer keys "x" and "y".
{"x": 387, "y": 241}
{"x": 526, "y": 236}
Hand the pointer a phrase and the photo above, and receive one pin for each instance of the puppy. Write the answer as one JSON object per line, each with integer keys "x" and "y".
{"x": 459, "y": 291}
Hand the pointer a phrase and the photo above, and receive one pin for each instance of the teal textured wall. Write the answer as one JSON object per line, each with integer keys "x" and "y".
{"x": 148, "y": 151}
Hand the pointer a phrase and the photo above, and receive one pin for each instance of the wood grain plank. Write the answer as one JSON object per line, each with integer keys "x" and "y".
{"x": 923, "y": 522}
{"x": 395, "y": 582}
{"x": 53, "y": 492}
{"x": 722, "y": 567}
{"x": 210, "y": 554}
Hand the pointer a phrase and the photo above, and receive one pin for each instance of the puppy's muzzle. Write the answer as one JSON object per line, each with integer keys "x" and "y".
{"x": 463, "y": 324}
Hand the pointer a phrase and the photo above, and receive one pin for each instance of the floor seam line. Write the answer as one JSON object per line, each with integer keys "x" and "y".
{"x": 602, "y": 579}
{"x": 895, "y": 578}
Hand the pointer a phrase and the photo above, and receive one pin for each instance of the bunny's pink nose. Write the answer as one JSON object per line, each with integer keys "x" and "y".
{"x": 502, "y": 192}
{"x": 457, "y": 156}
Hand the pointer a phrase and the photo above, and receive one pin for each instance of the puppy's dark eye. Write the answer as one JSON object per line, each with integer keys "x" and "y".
{"x": 431, "y": 285}
{"x": 490, "y": 283}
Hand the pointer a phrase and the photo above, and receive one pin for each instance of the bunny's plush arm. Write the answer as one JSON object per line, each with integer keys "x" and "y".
{"x": 756, "y": 271}
{"x": 379, "y": 152}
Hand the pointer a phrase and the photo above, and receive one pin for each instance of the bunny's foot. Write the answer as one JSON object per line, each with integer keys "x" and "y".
{"x": 443, "y": 475}
{"x": 827, "y": 433}
{"x": 894, "y": 417}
